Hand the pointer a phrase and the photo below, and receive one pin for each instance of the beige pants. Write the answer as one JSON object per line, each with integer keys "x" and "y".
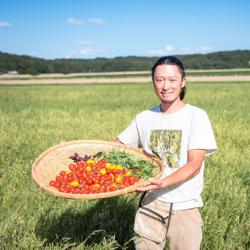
{"x": 151, "y": 231}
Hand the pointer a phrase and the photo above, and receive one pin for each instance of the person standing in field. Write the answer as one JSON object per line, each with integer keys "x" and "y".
{"x": 181, "y": 136}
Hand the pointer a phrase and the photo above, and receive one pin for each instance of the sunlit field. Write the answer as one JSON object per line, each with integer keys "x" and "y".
{"x": 34, "y": 118}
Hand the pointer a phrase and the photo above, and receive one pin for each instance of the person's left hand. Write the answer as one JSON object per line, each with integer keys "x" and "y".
{"x": 153, "y": 183}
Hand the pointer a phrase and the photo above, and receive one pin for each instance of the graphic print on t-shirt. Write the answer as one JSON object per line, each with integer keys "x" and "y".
{"x": 166, "y": 144}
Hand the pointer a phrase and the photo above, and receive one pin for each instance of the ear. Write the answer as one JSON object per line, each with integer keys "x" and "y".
{"x": 183, "y": 84}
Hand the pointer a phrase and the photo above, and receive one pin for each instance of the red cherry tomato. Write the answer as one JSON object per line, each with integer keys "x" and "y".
{"x": 72, "y": 167}
{"x": 93, "y": 177}
{"x": 52, "y": 183}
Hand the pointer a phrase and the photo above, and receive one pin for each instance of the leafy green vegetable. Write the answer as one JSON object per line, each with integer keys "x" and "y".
{"x": 141, "y": 167}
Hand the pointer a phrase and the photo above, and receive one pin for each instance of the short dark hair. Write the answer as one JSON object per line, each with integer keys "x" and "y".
{"x": 171, "y": 60}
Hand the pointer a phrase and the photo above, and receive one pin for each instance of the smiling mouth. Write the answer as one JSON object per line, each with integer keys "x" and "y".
{"x": 166, "y": 93}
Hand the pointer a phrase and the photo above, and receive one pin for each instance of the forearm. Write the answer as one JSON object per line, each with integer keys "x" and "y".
{"x": 183, "y": 174}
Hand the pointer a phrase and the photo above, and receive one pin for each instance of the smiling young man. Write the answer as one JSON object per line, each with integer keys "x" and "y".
{"x": 181, "y": 136}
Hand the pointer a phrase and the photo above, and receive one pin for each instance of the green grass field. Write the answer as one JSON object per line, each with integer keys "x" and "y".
{"x": 34, "y": 118}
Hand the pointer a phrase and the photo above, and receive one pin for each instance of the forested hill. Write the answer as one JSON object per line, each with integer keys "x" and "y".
{"x": 33, "y": 65}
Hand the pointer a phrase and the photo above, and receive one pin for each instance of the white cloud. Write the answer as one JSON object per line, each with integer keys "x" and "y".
{"x": 186, "y": 50}
{"x": 74, "y": 21}
{"x": 157, "y": 52}
{"x": 69, "y": 54}
{"x": 4, "y": 24}
{"x": 96, "y": 20}
{"x": 170, "y": 50}
{"x": 205, "y": 49}
{"x": 85, "y": 42}
{"x": 90, "y": 52}
{"x": 166, "y": 50}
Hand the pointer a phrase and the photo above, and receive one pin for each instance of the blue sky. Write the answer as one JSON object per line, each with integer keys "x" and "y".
{"x": 109, "y": 28}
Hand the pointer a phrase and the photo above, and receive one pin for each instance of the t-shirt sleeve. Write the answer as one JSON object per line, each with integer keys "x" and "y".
{"x": 130, "y": 135}
{"x": 201, "y": 134}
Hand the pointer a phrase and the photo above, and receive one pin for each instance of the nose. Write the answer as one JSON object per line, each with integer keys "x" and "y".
{"x": 166, "y": 84}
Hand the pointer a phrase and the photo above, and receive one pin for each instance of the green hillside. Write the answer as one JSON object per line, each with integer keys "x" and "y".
{"x": 33, "y": 65}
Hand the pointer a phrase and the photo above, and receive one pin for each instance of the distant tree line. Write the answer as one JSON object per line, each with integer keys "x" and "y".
{"x": 33, "y": 65}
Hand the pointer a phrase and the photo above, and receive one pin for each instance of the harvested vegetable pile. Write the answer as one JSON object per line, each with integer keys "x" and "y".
{"x": 92, "y": 169}
{"x": 102, "y": 172}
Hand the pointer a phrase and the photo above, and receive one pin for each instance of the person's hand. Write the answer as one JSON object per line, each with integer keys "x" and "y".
{"x": 153, "y": 183}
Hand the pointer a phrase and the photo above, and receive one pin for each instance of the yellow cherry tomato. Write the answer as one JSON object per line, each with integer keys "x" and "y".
{"x": 118, "y": 179}
{"x": 74, "y": 184}
{"x": 88, "y": 169}
{"x": 110, "y": 166}
{"x": 103, "y": 171}
{"x": 119, "y": 167}
{"x": 114, "y": 185}
{"x": 128, "y": 173}
{"x": 90, "y": 161}
{"x": 96, "y": 186}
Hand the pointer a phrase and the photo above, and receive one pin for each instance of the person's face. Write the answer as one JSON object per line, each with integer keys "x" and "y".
{"x": 168, "y": 82}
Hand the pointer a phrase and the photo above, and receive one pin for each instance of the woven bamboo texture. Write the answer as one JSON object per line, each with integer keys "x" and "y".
{"x": 49, "y": 164}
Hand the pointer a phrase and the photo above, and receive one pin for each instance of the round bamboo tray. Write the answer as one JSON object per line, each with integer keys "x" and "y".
{"x": 48, "y": 165}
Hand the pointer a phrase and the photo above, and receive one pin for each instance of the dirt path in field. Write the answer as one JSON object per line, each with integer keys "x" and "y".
{"x": 118, "y": 80}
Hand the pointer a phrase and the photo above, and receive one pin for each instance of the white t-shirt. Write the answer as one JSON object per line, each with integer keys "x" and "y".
{"x": 170, "y": 137}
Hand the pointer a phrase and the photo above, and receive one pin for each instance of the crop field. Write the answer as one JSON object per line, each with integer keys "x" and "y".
{"x": 125, "y": 75}
{"x": 36, "y": 117}
{"x": 212, "y": 75}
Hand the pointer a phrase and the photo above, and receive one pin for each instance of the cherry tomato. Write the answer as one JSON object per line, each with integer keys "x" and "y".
{"x": 80, "y": 164}
{"x": 72, "y": 167}
{"x": 94, "y": 177}
{"x": 52, "y": 183}
{"x": 57, "y": 184}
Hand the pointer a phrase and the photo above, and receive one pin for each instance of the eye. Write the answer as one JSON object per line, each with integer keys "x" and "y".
{"x": 159, "y": 80}
{"x": 172, "y": 80}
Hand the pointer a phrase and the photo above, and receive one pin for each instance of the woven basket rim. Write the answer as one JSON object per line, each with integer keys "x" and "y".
{"x": 51, "y": 190}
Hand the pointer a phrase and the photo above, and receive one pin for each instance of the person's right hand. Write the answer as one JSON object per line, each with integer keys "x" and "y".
{"x": 152, "y": 184}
